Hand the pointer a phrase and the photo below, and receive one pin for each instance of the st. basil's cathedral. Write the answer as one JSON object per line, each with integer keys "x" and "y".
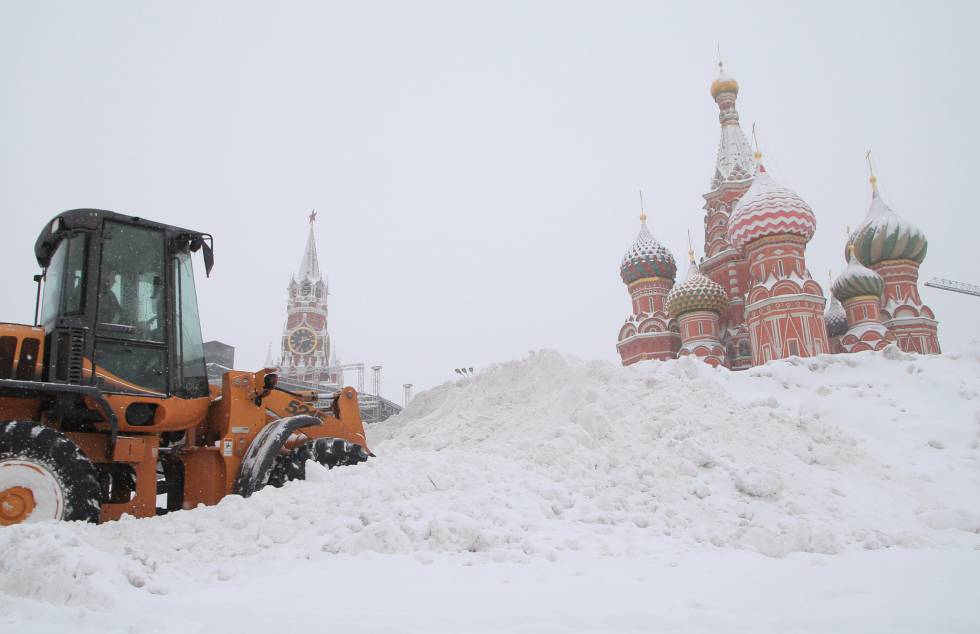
{"x": 751, "y": 299}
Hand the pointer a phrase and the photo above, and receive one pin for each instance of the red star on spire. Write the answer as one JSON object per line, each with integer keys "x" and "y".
{"x": 313, "y": 216}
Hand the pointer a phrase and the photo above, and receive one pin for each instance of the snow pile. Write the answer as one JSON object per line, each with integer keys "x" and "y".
{"x": 547, "y": 456}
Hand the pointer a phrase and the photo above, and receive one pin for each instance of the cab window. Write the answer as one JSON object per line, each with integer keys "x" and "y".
{"x": 64, "y": 280}
{"x": 131, "y": 292}
{"x": 131, "y": 319}
{"x": 190, "y": 351}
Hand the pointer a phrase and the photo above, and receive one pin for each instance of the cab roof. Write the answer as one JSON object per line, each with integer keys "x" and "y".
{"x": 91, "y": 219}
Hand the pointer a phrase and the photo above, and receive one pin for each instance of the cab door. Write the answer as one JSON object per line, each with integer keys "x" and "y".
{"x": 131, "y": 325}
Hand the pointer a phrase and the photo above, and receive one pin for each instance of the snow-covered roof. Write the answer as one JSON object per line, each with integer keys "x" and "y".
{"x": 735, "y": 162}
{"x": 647, "y": 258}
{"x": 857, "y": 280}
{"x": 768, "y": 209}
{"x": 863, "y": 328}
{"x": 835, "y": 317}
{"x": 884, "y": 235}
{"x": 696, "y": 292}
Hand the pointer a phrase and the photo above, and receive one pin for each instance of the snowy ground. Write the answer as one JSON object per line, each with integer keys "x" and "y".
{"x": 837, "y": 494}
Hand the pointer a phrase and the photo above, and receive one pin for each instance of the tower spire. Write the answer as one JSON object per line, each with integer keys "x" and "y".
{"x": 643, "y": 213}
{"x": 757, "y": 153}
{"x": 269, "y": 361}
{"x": 734, "y": 162}
{"x": 871, "y": 170}
{"x": 309, "y": 267}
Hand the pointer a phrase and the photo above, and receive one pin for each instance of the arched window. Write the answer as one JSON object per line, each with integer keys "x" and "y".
{"x": 306, "y": 288}
{"x": 743, "y": 349}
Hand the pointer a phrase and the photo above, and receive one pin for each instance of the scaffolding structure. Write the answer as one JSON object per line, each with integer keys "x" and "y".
{"x": 953, "y": 285}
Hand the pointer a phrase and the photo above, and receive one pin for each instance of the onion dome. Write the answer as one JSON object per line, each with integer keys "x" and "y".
{"x": 696, "y": 292}
{"x": 835, "y": 317}
{"x": 769, "y": 209}
{"x": 857, "y": 280}
{"x": 884, "y": 235}
{"x": 647, "y": 258}
{"x": 724, "y": 83}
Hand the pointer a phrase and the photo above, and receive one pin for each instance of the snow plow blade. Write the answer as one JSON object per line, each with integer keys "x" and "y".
{"x": 261, "y": 455}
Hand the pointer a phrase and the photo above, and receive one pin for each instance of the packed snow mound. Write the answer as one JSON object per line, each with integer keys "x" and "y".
{"x": 550, "y": 455}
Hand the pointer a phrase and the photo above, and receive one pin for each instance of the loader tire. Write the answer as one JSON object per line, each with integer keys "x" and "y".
{"x": 44, "y": 475}
{"x": 330, "y": 452}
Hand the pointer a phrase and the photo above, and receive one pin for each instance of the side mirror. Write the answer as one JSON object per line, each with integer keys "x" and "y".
{"x": 208, "y": 250}
{"x": 270, "y": 380}
{"x": 265, "y": 382}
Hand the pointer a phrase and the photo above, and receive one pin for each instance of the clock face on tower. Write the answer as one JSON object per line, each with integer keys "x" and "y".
{"x": 302, "y": 340}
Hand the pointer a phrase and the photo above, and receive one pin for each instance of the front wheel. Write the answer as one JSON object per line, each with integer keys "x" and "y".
{"x": 44, "y": 476}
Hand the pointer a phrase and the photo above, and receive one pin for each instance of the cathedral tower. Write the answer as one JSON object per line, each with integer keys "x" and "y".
{"x": 648, "y": 270}
{"x": 305, "y": 341}
{"x": 696, "y": 304}
{"x": 860, "y": 289}
{"x": 894, "y": 248}
{"x": 734, "y": 167}
{"x": 771, "y": 225}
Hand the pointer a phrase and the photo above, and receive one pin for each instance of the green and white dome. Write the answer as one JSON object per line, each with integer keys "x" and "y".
{"x": 884, "y": 235}
{"x": 857, "y": 280}
{"x": 647, "y": 258}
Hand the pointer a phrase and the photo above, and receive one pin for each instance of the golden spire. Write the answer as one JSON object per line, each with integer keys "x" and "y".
{"x": 871, "y": 169}
{"x": 690, "y": 249}
{"x": 755, "y": 141}
{"x": 643, "y": 214}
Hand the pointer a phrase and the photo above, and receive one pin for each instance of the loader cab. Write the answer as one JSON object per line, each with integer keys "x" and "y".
{"x": 119, "y": 306}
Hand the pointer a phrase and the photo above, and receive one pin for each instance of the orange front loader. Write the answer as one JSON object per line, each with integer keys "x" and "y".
{"x": 105, "y": 405}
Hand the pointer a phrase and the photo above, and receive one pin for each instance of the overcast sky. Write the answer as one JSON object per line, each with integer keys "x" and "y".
{"x": 475, "y": 166}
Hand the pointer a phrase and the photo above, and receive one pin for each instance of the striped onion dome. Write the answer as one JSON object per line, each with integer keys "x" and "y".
{"x": 647, "y": 258}
{"x": 696, "y": 292}
{"x": 857, "y": 280}
{"x": 769, "y": 209}
{"x": 835, "y": 317}
{"x": 884, "y": 235}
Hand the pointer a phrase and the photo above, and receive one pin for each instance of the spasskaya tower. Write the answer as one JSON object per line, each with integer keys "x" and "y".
{"x": 306, "y": 353}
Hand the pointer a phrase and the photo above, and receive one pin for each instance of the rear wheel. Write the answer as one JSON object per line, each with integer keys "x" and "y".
{"x": 330, "y": 452}
{"x": 44, "y": 476}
